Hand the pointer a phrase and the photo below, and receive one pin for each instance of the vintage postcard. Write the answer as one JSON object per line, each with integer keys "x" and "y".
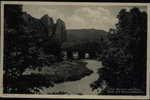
{"x": 75, "y": 50}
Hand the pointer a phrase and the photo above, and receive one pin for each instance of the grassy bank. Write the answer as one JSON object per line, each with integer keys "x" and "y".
{"x": 50, "y": 75}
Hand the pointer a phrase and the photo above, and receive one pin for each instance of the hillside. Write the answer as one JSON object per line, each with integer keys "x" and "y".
{"x": 76, "y": 35}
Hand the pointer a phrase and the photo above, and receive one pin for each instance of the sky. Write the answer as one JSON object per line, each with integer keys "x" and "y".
{"x": 80, "y": 17}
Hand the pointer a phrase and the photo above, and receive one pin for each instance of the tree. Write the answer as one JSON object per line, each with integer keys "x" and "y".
{"x": 124, "y": 58}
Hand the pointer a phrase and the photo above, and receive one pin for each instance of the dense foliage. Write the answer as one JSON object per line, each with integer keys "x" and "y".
{"x": 124, "y": 53}
{"x": 25, "y": 46}
{"x": 92, "y": 47}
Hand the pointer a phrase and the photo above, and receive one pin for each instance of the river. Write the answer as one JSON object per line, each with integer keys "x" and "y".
{"x": 81, "y": 86}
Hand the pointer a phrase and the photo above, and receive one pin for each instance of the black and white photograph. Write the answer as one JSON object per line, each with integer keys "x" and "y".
{"x": 73, "y": 49}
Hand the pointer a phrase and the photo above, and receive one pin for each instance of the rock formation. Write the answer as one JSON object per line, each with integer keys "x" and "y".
{"x": 46, "y": 27}
{"x": 44, "y": 33}
{"x": 60, "y": 32}
{"x": 48, "y": 24}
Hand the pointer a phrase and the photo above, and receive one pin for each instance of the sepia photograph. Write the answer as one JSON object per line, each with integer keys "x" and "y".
{"x": 71, "y": 49}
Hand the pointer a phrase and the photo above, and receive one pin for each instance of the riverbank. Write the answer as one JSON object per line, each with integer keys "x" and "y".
{"x": 78, "y": 87}
{"x": 56, "y": 73}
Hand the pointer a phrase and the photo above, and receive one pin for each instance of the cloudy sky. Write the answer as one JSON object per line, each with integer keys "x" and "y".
{"x": 79, "y": 17}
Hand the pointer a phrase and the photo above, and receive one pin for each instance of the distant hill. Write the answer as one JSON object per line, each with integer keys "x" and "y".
{"x": 80, "y": 35}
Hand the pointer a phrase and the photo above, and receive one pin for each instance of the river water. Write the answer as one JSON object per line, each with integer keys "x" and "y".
{"x": 81, "y": 86}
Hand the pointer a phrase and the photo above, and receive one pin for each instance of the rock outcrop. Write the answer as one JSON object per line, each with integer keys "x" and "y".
{"x": 48, "y": 24}
{"x": 60, "y": 32}
{"x": 45, "y": 27}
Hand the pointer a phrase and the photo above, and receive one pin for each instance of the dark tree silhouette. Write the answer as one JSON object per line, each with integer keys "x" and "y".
{"x": 26, "y": 45}
{"x": 124, "y": 54}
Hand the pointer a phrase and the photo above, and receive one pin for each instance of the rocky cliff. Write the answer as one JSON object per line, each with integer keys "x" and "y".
{"x": 60, "y": 32}
{"x": 49, "y": 25}
{"x": 45, "y": 27}
{"x": 44, "y": 34}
